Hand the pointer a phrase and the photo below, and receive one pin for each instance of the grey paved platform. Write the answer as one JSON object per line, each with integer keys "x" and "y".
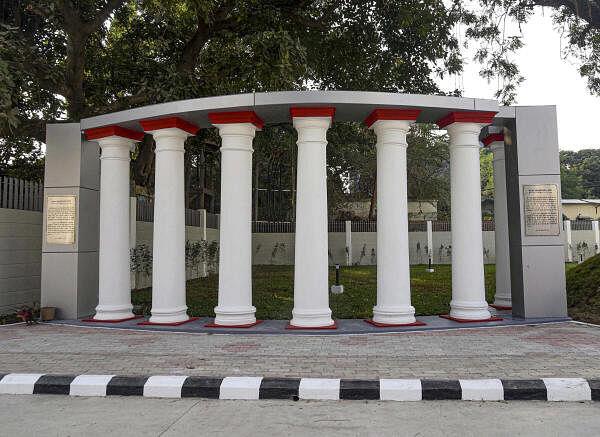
{"x": 344, "y": 326}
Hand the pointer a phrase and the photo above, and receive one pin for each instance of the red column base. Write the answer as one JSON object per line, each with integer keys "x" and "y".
{"x": 456, "y": 319}
{"x": 500, "y": 307}
{"x": 302, "y": 328}
{"x": 147, "y": 322}
{"x": 391, "y": 325}
{"x": 248, "y": 325}
{"x": 92, "y": 320}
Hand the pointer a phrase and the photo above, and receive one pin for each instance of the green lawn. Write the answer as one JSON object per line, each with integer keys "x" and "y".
{"x": 273, "y": 292}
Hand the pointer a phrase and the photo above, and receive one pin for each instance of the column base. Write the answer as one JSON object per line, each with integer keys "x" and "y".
{"x": 168, "y": 316}
{"x": 401, "y": 315}
{"x": 502, "y": 302}
{"x": 301, "y": 328}
{"x": 105, "y": 313}
{"x": 320, "y": 319}
{"x": 92, "y": 320}
{"x": 469, "y": 310}
{"x": 149, "y": 322}
{"x": 235, "y": 316}
{"x": 459, "y": 320}
{"x": 392, "y": 325}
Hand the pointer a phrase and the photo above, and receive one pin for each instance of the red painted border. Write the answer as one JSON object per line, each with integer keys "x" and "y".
{"x": 312, "y": 112}
{"x": 392, "y": 325}
{"x": 91, "y": 320}
{"x": 492, "y": 138}
{"x": 248, "y": 325}
{"x": 112, "y": 131}
{"x": 311, "y": 328}
{"x": 169, "y": 122}
{"x": 392, "y": 114}
{"x": 500, "y": 307}
{"x": 456, "y": 319}
{"x": 483, "y": 117}
{"x": 236, "y": 117}
{"x": 147, "y": 322}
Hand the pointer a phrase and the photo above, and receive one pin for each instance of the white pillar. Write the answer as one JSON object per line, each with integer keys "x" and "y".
{"x": 311, "y": 291}
{"x": 569, "y": 237}
{"x": 596, "y": 230}
{"x": 235, "y": 245}
{"x": 393, "y": 270}
{"x": 348, "y": 228}
{"x": 114, "y": 282}
{"x": 430, "y": 244}
{"x": 168, "y": 248}
{"x": 468, "y": 285}
{"x": 503, "y": 295}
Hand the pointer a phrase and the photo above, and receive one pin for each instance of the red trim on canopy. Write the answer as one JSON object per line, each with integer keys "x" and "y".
{"x": 483, "y": 117}
{"x": 312, "y": 112}
{"x": 169, "y": 122}
{"x": 112, "y": 131}
{"x": 236, "y": 117}
{"x": 492, "y": 138}
{"x": 392, "y": 114}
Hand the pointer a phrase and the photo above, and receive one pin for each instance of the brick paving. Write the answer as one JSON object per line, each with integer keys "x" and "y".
{"x": 564, "y": 349}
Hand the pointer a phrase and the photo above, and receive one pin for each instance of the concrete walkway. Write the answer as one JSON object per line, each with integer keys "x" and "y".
{"x": 61, "y": 415}
{"x": 565, "y": 349}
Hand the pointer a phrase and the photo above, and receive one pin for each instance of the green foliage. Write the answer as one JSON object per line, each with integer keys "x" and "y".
{"x": 580, "y": 174}
{"x": 583, "y": 290}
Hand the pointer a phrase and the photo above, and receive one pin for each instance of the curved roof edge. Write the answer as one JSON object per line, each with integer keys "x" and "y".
{"x": 273, "y": 107}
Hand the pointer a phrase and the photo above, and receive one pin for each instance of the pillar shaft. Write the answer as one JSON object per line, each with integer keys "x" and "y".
{"x": 468, "y": 286}
{"x": 503, "y": 295}
{"x": 168, "y": 248}
{"x": 235, "y": 251}
{"x": 311, "y": 294}
{"x": 393, "y": 273}
{"x": 114, "y": 288}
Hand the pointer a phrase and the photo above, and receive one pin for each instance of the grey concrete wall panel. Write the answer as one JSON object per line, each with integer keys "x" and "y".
{"x": 537, "y": 262}
{"x": 70, "y": 272}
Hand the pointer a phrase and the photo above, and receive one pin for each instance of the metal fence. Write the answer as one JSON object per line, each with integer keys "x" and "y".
{"x": 212, "y": 220}
{"x": 580, "y": 225}
{"x": 193, "y": 217}
{"x": 20, "y": 194}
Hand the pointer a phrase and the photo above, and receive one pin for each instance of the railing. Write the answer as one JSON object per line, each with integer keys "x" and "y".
{"x": 364, "y": 226}
{"x": 19, "y": 194}
{"x": 145, "y": 213}
{"x": 212, "y": 220}
{"x": 581, "y": 225}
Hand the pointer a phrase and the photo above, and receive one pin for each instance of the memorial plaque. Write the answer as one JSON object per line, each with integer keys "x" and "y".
{"x": 60, "y": 219}
{"x": 542, "y": 210}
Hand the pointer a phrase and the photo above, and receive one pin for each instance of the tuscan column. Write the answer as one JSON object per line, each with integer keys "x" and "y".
{"x": 393, "y": 271}
{"x": 114, "y": 287}
{"x": 237, "y": 130}
{"x": 168, "y": 248}
{"x": 311, "y": 293}
{"x": 502, "y": 299}
{"x": 468, "y": 286}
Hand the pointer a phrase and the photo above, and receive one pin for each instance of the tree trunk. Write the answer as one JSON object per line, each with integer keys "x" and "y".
{"x": 373, "y": 203}
{"x": 143, "y": 165}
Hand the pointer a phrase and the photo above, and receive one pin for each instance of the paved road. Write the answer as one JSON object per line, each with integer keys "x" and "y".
{"x": 564, "y": 349}
{"x": 49, "y": 415}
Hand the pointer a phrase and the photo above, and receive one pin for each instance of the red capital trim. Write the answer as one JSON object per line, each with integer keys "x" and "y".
{"x": 236, "y": 117}
{"x": 312, "y": 112}
{"x": 482, "y": 117}
{"x": 169, "y": 122}
{"x": 392, "y": 114}
{"x": 112, "y": 131}
{"x": 492, "y": 138}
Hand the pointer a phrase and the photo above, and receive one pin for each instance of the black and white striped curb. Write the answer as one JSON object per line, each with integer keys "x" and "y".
{"x": 179, "y": 386}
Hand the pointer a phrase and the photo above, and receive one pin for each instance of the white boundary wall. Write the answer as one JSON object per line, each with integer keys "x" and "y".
{"x": 21, "y": 242}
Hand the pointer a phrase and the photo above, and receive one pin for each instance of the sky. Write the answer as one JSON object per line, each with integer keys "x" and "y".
{"x": 549, "y": 80}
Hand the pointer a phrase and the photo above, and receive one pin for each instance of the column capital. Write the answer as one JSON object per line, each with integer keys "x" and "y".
{"x": 493, "y": 138}
{"x": 113, "y": 132}
{"x": 156, "y": 125}
{"x": 482, "y": 118}
{"x": 236, "y": 117}
{"x": 298, "y": 112}
{"x": 392, "y": 114}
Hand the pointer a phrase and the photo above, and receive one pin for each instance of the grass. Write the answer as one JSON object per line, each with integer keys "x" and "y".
{"x": 273, "y": 292}
{"x": 583, "y": 290}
